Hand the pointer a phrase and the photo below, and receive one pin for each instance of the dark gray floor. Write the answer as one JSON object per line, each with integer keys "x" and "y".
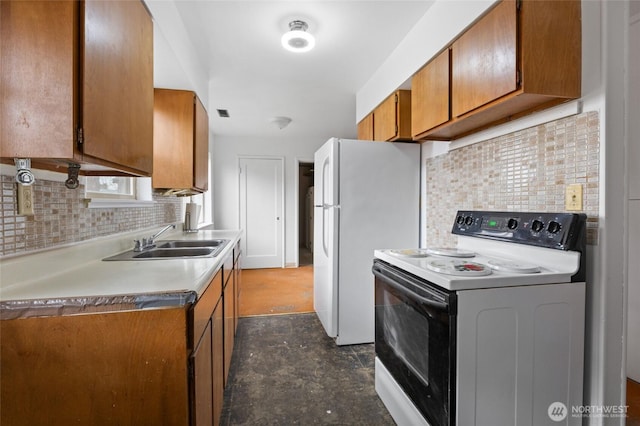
{"x": 285, "y": 371}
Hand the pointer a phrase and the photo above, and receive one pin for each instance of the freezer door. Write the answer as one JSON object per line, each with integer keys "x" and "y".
{"x": 325, "y": 174}
{"x": 325, "y": 239}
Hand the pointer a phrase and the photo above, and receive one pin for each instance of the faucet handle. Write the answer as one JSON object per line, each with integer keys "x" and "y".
{"x": 137, "y": 245}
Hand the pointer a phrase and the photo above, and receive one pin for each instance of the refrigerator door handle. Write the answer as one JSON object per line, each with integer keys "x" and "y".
{"x": 325, "y": 217}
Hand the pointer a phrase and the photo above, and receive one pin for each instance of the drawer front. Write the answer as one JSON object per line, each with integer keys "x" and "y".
{"x": 204, "y": 307}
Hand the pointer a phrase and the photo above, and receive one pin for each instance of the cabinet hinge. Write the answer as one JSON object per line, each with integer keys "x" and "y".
{"x": 80, "y": 138}
{"x": 396, "y": 97}
{"x": 396, "y": 129}
{"x": 518, "y": 78}
{"x": 518, "y": 4}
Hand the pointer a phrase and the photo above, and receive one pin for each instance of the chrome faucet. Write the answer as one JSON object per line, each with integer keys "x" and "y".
{"x": 149, "y": 243}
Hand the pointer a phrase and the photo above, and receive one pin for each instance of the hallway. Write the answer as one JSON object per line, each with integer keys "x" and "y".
{"x": 276, "y": 291}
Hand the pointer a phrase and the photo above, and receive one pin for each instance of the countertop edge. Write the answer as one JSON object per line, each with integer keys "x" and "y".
{"x": 148, "y": 285}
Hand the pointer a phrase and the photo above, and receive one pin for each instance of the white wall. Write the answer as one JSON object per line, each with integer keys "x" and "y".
{"x": 176, "y": 64}
{"x": 633, "y": 162}
{"x": 227, "y": 150}
{"x": 436, "y": 29}
{"x": 604, "y": 89}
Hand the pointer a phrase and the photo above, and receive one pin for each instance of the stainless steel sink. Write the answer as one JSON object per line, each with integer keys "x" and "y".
{"x": 182, "y": 252}
{"x": 191, "y": 243}
{"x": 175, "y": 249}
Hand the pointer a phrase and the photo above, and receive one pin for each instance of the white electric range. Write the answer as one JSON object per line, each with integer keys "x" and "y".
{"x": 488, "y": 332}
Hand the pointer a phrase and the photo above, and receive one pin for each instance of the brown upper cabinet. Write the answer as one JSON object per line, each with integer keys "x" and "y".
{"x": 77, "y": 85}
{"x": 392, "y": 118}
{"x": 522, "y": 56}
{"x": 430, "y": 95}
{"x": 365, "y": 128}
{"x": 181, "y": 142}
{"x": 484, "y": 60}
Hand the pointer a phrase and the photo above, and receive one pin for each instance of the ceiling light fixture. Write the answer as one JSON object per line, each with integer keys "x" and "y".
{"x": 298, "y": 39}
{"x": 280, "y": 122}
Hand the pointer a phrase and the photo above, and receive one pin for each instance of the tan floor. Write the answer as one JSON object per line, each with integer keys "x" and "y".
{"x": 276, "y": 291}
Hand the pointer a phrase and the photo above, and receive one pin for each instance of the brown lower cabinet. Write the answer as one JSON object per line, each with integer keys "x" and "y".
{"x": 157, "y": 366}
{"x": 229, "y": 303}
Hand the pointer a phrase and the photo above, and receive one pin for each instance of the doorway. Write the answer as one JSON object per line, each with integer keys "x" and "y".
{"x": 261, "y": 212}
{"x": 305, "y": 213}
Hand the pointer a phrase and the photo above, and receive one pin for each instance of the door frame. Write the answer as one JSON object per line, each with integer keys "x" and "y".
{"x": 282, "y": 203}
{"x": 296, "y": 201}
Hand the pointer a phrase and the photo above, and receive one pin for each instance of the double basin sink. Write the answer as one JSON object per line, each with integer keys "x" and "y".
{"x": 175, "y": 249}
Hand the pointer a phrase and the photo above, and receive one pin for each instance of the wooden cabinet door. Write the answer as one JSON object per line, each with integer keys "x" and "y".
{"x": 38, "y": 74}
{"x": 218, "y": 362}
{"x": 106, "y": 368}
{"x": 201, "y": 160}
{"x": 237, "y": 278}
{"x": 392, "y": 118}
{"x": 202, "y": 381}
{"x": 117, "y": 83}
{"x": 229, "y": 326}
{"x": 430, "y": 95}
{"x": 180, "y": 141}
{"x": 484, "y": 60}
{"x": 365, "y": 128}
{"x": 173, "y": 130}
{"x": 385, "y": 125}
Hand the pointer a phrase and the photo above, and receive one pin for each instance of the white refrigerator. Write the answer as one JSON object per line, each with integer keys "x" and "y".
{"x": 366, "y": 197}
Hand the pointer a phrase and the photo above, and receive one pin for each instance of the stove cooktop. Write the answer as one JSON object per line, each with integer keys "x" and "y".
{"x": 501, "y": 249}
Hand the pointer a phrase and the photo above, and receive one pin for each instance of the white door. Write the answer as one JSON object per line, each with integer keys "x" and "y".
{"x": 261, "y": 210}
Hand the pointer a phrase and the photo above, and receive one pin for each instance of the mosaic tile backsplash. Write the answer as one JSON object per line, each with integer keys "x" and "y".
{"x": 527, "y": 170}
{"x": 61, "y": 217}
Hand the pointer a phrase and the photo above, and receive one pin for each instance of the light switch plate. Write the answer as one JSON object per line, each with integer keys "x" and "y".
{"x": 573, "y": 197}
{"x": 25, "y": 200}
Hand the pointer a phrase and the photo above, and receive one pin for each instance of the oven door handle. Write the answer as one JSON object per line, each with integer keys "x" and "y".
{"x": 397, "y": 281}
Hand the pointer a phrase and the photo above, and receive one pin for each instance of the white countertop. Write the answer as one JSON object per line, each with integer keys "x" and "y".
{"x": 77, "y": 271}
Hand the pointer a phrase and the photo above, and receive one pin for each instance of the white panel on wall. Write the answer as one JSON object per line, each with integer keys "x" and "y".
{"x": 633, "y": 161}
{"x": 634, "y": 109}
{"x": 633, "y": 295}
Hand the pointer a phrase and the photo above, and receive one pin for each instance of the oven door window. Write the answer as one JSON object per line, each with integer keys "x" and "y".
{"x": 415, "y": 341}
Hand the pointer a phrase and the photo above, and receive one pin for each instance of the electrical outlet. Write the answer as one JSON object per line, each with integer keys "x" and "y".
{"x": 573, "y": 197}
{"x": 25, "y": 200}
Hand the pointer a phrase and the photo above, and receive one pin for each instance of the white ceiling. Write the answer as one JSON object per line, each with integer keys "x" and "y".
{"x": 238, "y": 45}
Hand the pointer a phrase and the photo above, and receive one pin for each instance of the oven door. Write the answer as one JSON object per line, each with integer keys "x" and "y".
{"x": 415, "y": 339}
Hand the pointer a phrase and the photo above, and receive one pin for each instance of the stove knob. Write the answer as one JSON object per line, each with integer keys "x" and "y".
{"x": 460, "y": 220}
{"x": 512, "y": 224}
{"x": 468, "y": 221}
{"x": 537, "y": 226}
{"x": 554, "y": 227}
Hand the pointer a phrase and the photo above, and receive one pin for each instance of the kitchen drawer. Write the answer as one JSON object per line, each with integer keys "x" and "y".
{"x": 203, "y": 309}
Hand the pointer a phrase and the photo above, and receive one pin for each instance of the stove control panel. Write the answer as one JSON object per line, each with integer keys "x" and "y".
{"x": 563, "y": 231}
